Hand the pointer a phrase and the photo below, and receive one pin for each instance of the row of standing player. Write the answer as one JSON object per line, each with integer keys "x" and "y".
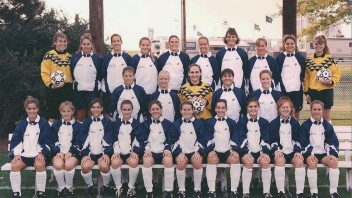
{"x": 188, "y": 140}
{"x": 288, "y": 70}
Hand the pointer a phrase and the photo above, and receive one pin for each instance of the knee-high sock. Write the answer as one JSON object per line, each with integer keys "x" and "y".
{"x": 15, "y": 179}
{"x": 88, "y": 178}
{"x": 40, "y": 178}
{"x": 246, "y": 179}
{"x": 148, "y": 178}
{"x": 116, "y": 176}
{"x": 235, "y": 174}
{"x": 300, "y": 177}
{"x": 197, "y": 178}
{"x": 181, "y": 179}
{"x": 69, "y": 178}
{"x": 334, "y": 179}
{"x": 211, "y": 176}
{"x": 60, "y": 178}
{"x": 106, "y": 178}
{"x": 279, "y": 173}
{"x": 169, "y": 174}
{"x": 266, "y": 179}
{"x": 132, "y": 175}
{"x": 312, "y": 180}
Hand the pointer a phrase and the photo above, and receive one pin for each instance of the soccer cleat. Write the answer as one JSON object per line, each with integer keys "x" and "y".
{"x": 335, "y": 195}
{"x": 211, "y": 194}
{"x": 314, "y": 195}
{"x": 89, "y": 191}
{"x": 234, "y": 195}
{"x": 119, "y": 192}
{"x": 197, "y": 194}
{"x": 267, "y": 195}
{"x": 40, "y": 194}
{"x": 16, "y": 195}
{"x": 168, "y": 194}
{"x": 131, "y": 192}
{"x": 246, "y": 195}
{"x": 149, "y": 195}
{"x": 61, "y": 193}
{"x": 282, "y": 195}
{"x": 69, "y": 192}
{"x": 300, "y": 195}
{"x": 181, "y": 194}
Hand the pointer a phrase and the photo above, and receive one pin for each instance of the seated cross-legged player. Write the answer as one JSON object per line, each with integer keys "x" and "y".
{"x": 222, "y": 147}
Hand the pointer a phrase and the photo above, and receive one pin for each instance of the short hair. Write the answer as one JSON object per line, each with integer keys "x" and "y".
{"x": 232, "y": 31}
{"x": 282, "y": 101}
{"x": 164, "y": 72}
{"x": 173, "y": 36}
{"x": 265, "y": 71}
{"x": 252, "y": 99}
{"x": 203, "y": 37}
{"x": 31, "y": 100}
{"x": 58, "y": 35}
{"x": 126, "y": 102}
{"x": 128, "y": 69}
{"x": 157, "y": 102}
{"x": 67, "y": 104}
{"x": 96, "y": 100}
{"x": 316, "y": 102}
{"x": 186, "y": 102}
{"x": 112, "y": 36}
{"x": 259, "y": 40}
{"x": 322, "y": 40}
{"x": 221, "y": 100}
{"x": 227, "y": 71}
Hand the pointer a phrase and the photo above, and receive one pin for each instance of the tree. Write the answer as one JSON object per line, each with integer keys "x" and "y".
{"x": 322, "y": 13}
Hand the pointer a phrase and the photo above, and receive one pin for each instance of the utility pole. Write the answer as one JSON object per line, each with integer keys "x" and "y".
{"x": 96, "y": 24}
{"x": 183, "y": 24}
{"x": 289, "y": 17}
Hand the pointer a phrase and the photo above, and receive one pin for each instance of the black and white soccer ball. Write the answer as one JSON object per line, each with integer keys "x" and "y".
{"x": 58, "y": 78}
{"x": 198, "y": 105}
{"x": 324, "y": 74}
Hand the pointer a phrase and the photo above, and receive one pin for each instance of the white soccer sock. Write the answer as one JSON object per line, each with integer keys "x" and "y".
{"x": 266, "y": 179}
{"x": 279, "y": 173}
{"x": 148, "y": 178}
{"x": 106, "y": 178}
{"x": 334, "y": 179}
{"x": 181, "y": 179}
{"x": 69, "y": 178}
{"x": 116, "y": 176}
{"x": 88, "y": 178}
{"x": 132, "y": 174}
{"x": 312, "y": 180}
{"x": 300, "y": 178}
{"x": 40, "y": 178}
{"x": 15, "y": 179}
{"x": 211, "y": 176}
{"x": 169, "y": 175}
{"x": 197, "y": 178}
{"x": 235, "y": 174}
{"x": 246, "y": 179}
{"x": 60, "y": 178}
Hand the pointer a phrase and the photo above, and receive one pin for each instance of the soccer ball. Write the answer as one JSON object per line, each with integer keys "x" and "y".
{"x": 323, "y": 74}
{"x": 58, "y": 78}
{"x": 198, "y": 105}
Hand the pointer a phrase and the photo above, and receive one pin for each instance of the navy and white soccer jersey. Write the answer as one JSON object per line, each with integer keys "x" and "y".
{"x": 97, "y": 136}
{"x": 318, "y": 137}
{"x": 285, "y": 135}
{"x": 210, "y": 68}
{"x": 30, "y": 138}
{"x": 170, "y": 102}
{"x": 267, "y": 100}
{"x": 65, "y": 137}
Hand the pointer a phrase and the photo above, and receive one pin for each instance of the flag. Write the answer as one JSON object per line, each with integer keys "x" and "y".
{"x": 268, "y": 19}
{"x": 199, "y": 34}
{"x": 256, "y": 27}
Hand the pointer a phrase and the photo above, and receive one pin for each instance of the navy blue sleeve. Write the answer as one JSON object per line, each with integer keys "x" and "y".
{"x": 242, "y": 137}
{"x": 265, "y": 137}
{"x": 76, "y": 145}
{"x": 296, "y": 129}
{"x": 174, "y": 138}
{"x": 274, "y": 138}
{"x": 331, "y": 141}
{"x": 138, "y": 146}
{"x": 44, "y": 137}
{"x": 17, "y": 138}
{"x": 304, "y": 136}
{"x": 55, "y": 147}
{"x": 110, "y": 127}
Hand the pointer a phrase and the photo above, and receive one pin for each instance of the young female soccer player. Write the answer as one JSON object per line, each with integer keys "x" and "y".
{"x": 266, "y": 96}
{"x": 144, "y": 63}
{"x": 320, "y": 144}
{"x": 286, "y": 147}
{"x": 157, "y": 131}
{"x": 322, "y": 90}
{"x": 255, "y": 148}
{"x": 97, "y": 145}
{"x": 30, "y": 146}
{"x": 196, "y": 89}
{"x": 86, "y": 71}
{"x": 233, "y": 57}
{"x": 112, "y": 66}
{"x": 235, "y": 97}
{"x": 56, "y": 59}
{"x": 65, "y": 135}
{"x": 207, "y": 63}
{"x": 175, "y": 62}
{"x": 127, "y": 148}
{"x": 291, "y": 70}
{"x": 188, "y": 144}
{"x": 262, "y": 60}
{"x": 223, "y": 146}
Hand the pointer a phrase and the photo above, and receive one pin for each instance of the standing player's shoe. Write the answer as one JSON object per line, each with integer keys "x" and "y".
{"x": 16, "y": 195}
{"x": 334, "y": 195}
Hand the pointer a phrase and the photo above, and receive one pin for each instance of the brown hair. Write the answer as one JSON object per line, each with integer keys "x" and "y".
{"x": 31, "y": 100}
{"x": 222, "y": 100}
{"x": 316, "y": 102}
{"x": 88, "y": 37}
{"x": 58, "y": 35}
{"x": 252, "y": 99}
{"x": 96, "y": 100}
{"x": 126, "y": 102}
{"x": 157, "y": 102}
{"x": 112, "y": 36}
{"x": 227, "y": 71}
{"x": 189, "y": 69}
{"x": 282, "y": 101}
{"x": 150, "y": 42}
{"x": 265, "y": 71}
{"x": 68, "y": 104}
{"x": 259, "y": 40}
{"x": 322, "y": 40}
{"x": 186, "y": 102}
{"x": 286, "y": 37}
{"x": 173, "y": 36}
{"x": 232, "y": 31}
{"x": 203, "y": 37}
{"x": 128, "y": 69}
